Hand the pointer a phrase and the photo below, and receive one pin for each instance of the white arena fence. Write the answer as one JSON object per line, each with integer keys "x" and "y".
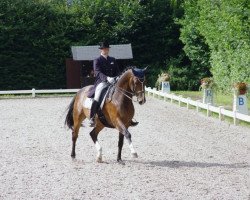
{"x": 33, "y": 92}
{"x": 198, "y": 104}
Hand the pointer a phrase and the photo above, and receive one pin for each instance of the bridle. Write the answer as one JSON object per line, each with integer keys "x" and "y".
{"x": 133, "y": 93}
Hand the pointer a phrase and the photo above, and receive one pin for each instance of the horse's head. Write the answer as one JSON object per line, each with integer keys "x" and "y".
{"x": 137, "y": 84}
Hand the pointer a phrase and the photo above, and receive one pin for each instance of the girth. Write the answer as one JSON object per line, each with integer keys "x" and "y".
{"x": 103, "y": 119}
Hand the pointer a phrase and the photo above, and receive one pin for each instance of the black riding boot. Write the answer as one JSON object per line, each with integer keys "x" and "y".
{"x": 134, "y": 123}
{"x": 93, "y": 111}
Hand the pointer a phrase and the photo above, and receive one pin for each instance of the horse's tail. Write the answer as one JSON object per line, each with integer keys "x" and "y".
{"x": 69, "y": 121}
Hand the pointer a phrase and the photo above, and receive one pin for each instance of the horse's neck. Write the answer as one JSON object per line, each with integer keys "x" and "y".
{"x": 123, "y": 91}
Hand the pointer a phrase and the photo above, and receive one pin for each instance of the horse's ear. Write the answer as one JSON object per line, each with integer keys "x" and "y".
{"x": 138, "y": 72}
{"x": 134, "y": 72}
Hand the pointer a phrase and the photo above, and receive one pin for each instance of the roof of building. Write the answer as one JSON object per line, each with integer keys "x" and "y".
{"x": 122, "y": 51}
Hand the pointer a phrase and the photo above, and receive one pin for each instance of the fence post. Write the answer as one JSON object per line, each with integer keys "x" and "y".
{"x": 165, "y": 98}
{"x": 235, "y": 117}
{"x": 154, "y": 90}
{"x": 148, "y": 90}
{"x": 221, "y": 117}
{"x": 33, "y": 93}
{"x": 180, "y": 96}
{"x": 172, "y": 97}
{"x": 188, "y": 99}
{"x": 208, "y": 111}
{"x": 197, "y": 105}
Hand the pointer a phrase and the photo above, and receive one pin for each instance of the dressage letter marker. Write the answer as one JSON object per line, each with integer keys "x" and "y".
{"x": 208, "y": 96}
{"x": 165, "y": 87}
{"x": 240, "y": 104}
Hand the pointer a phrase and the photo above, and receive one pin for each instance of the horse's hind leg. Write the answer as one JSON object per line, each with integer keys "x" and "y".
{"x": 74, "y": 138}
{"x": 77, "y": 124}
{"x": 94, "y": 133}
{"x": 120, "y": 145}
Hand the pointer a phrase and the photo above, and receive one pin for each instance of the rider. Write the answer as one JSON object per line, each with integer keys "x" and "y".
{"x": 105, "y": 70}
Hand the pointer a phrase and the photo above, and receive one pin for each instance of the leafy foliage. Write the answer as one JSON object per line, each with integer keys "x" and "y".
{"x": 34, "y": 44}
{"x": 188, "y": 39}
{"x": 36, "y": 36}
{"x": 218, "y": 32}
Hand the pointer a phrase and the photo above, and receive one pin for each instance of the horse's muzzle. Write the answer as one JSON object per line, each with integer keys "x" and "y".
{"x": 142, "y": 101}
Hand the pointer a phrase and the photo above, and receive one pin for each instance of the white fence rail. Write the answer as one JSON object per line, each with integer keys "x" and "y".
{"x": 33, "y": 92}
{"x": 198, "y": 104}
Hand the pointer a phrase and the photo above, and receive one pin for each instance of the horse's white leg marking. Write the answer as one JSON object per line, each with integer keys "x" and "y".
{"x": 127, "y": 135}
{"x": 133, "y": 152}
{"x": 99, "y": 150}
{"x": 131, "y": 147}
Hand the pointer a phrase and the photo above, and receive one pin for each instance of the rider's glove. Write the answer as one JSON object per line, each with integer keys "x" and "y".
{"x": 111, "y": 80}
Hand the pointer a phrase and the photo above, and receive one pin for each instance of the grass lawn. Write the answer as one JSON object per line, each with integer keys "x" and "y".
{"x": 219, "y": 99}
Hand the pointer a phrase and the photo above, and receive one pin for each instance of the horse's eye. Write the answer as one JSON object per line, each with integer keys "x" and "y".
{"x": 141, "y": 79}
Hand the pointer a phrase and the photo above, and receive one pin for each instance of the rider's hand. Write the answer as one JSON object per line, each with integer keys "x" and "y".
{"x": 111, "y": 80}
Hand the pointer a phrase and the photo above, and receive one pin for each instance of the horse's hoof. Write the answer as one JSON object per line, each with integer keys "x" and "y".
{"x": 134, "y": 155}
{"x": 120, "y": 162}
{"x": 73, "y": 155}
{"x": 99, "y": 160}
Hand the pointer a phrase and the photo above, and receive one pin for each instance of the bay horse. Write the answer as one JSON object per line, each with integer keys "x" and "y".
{"x": 118, "y": 112}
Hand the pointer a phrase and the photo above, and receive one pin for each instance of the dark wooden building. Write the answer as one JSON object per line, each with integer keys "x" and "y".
{"x": 79, "y": 69}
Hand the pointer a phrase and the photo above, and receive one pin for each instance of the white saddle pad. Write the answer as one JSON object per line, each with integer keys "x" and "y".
{"x": 88, "y": 102}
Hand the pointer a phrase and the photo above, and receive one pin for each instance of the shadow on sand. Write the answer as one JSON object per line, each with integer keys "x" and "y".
{"x": 179, "y": 164}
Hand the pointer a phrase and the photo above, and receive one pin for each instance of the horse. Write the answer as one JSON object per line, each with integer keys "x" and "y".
{"x": 118, "y": 111}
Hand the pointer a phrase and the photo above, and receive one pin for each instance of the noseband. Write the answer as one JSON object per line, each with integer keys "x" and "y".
{"x": 141, "y": 81}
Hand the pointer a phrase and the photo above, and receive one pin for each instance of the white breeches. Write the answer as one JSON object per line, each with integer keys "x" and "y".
{"x": 99, "y": 89}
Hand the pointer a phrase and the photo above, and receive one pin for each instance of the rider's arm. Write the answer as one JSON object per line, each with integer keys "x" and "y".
{"x": 97, "y": 70}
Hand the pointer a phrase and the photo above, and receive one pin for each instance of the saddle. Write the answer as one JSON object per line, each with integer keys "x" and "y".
{"x": 106, "y": 96}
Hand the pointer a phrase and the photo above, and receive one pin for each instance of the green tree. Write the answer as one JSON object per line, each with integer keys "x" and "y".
{"x": 36, "y": 35}
{"x": 195, "y": 47}
{"x": 217, "y": 32}
{"x": 33, "y": 45}
{"x": 225, "y": 25}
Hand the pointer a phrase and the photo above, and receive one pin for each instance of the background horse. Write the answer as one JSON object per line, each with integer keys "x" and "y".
{"x": 118, "y": 112}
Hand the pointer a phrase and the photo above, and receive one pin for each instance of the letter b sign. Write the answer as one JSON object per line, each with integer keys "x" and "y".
{"x": 241, "y": 101}
{"x": 240, "y": 104}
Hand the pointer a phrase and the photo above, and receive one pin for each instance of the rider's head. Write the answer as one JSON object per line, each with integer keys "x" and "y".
{"x": 104, "y": 48}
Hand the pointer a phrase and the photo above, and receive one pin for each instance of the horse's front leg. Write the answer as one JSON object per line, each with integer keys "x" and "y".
{"x": 123, "y": 129}
{"x": 131, "y": 147}
{"x": 94, "y": 133}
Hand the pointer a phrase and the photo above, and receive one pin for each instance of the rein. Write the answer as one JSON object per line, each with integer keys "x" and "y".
{"x": 133, "y": 93}
{"x": 124, "y": 93}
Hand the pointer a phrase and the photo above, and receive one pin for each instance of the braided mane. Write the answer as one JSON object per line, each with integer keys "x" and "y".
{"x": 126, "y": 69}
